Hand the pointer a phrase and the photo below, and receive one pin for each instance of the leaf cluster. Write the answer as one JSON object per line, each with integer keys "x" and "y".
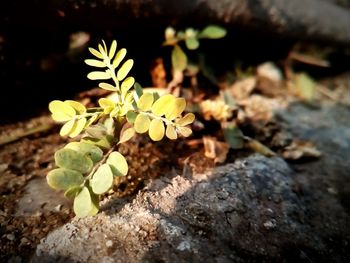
{"x": 86, "y": 169}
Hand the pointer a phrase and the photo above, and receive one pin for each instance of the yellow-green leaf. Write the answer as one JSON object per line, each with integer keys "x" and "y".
{"x": 102, "y": 50}
{"x": 127, "y": 84}
{"x": 187, "y": 119}
{"x": 131, "y": 116}
{"x": 184, "y": 131}
{"x": 125, "y": 69}
{"x": 192, "y": 43}
{"x": 97, "y": 75}
{"x": 119, "y": 57}
{"x": 95, "y": 63}
{"x": 58, "y": 106}
{"x": 95, "y": 53}
{"x": 82, "y": 203}
{"x": 170, "y": 132}
{"x": 70, "y": 159}
{"x": 118, "y": 164}
{"x": 80, "y": 108}
{"x": 126, "y": 135}
{"x": 62, "y": 178}
{"x": 178, "y": 58}
{"x": 59, "y": 116}
{"x": 77, "y": 128}
{"x": 176, "y": 108}
{"x": 104, "y": 103}
{"x": 145, "y": 102}
{"x": 156, "y": 130}
{"x": 107, "y": 86}
{"x": 113, "y": 49}
{"x": 163, "y": 105}
{"x": 142, "y": 123}
{"x": 95, "y": 206}
{"x": 72, "y": 192}
{"x": 87, "y": 149}
{"x": 213, "y": 32}
{"x": 67, "y": 128}
{"x": 102, "y": 179}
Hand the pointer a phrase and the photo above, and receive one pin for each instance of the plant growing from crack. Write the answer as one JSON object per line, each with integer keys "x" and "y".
{"x": 86, "y": 168}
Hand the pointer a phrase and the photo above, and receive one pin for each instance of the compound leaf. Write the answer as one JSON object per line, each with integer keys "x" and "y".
{"x": 142, "y": 123}
{"x": 118, "y": 164}
{"x": 125, "y": 69}
{"x": 102, "y": 179}
{"x": 156, "y": 130}
{"x": 58, "y": 106}
{"x": 82, "y": 203}
{"x": 70, "y": 159}
{"x": 62, "y": 179}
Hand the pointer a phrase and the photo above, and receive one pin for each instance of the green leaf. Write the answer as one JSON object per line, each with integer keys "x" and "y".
{"x": 95, "y": 63}
{"x": 127, "y": 84}
{"x": 192, "y": 43}
{"x": 142, "y": 123}
{"x": 98, "y": 75}
{"x": 119, "y": 57}
{"x": 145, "y": 102}
{"x": 233, "y": 135}
{"x": 171, "y": 132}
{"x": 70, "y": 159}
{"x": 187, "y": 119}
{"x": 138, "y": 89}
{"x": 95, "y": 53}
{"x": 90, "y": 150}
{"x": 97, "y": 131}
{"x": 213, "y": 32}
{"x": 163, "y": 105}
{"x": 126, "y": 135}
{"x": 112, "y": 49}
{"x": 118, "y": 164}
{"x": 72, "y": 192}
{"x": 156, "y": 130}
{"x": 77, "y": 128}
{"x": 62, "y": 179}
{"x": 131, "y": 116}
{"x": 82, "y": 203}
{"x": 107, "y": 86}
{"x": 102, "y": 179}
{"x": 67, "y": 128}
{"x": 178, "y": 59}
{"x": 176, "y": 108}
{"x": 125, "y": 69}
{"x": 95, "y": 203}
{"x": 105, "y": 142}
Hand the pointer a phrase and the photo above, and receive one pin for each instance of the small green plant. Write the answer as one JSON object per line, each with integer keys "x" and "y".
{"x": 192, "y": 38}
{"x": 86, "y": 169}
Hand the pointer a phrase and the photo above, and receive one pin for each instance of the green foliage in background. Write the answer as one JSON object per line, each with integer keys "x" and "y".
{"x": 87, "y": 168}
{"x": 191, "y": 38}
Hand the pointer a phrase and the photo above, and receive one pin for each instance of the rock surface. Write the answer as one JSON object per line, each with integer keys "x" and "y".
{"x": 255, "y": 209}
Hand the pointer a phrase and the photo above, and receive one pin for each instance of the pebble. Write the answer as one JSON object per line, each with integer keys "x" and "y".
{"x": 10, "y": 237}
{"x": 109, "y": 243}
